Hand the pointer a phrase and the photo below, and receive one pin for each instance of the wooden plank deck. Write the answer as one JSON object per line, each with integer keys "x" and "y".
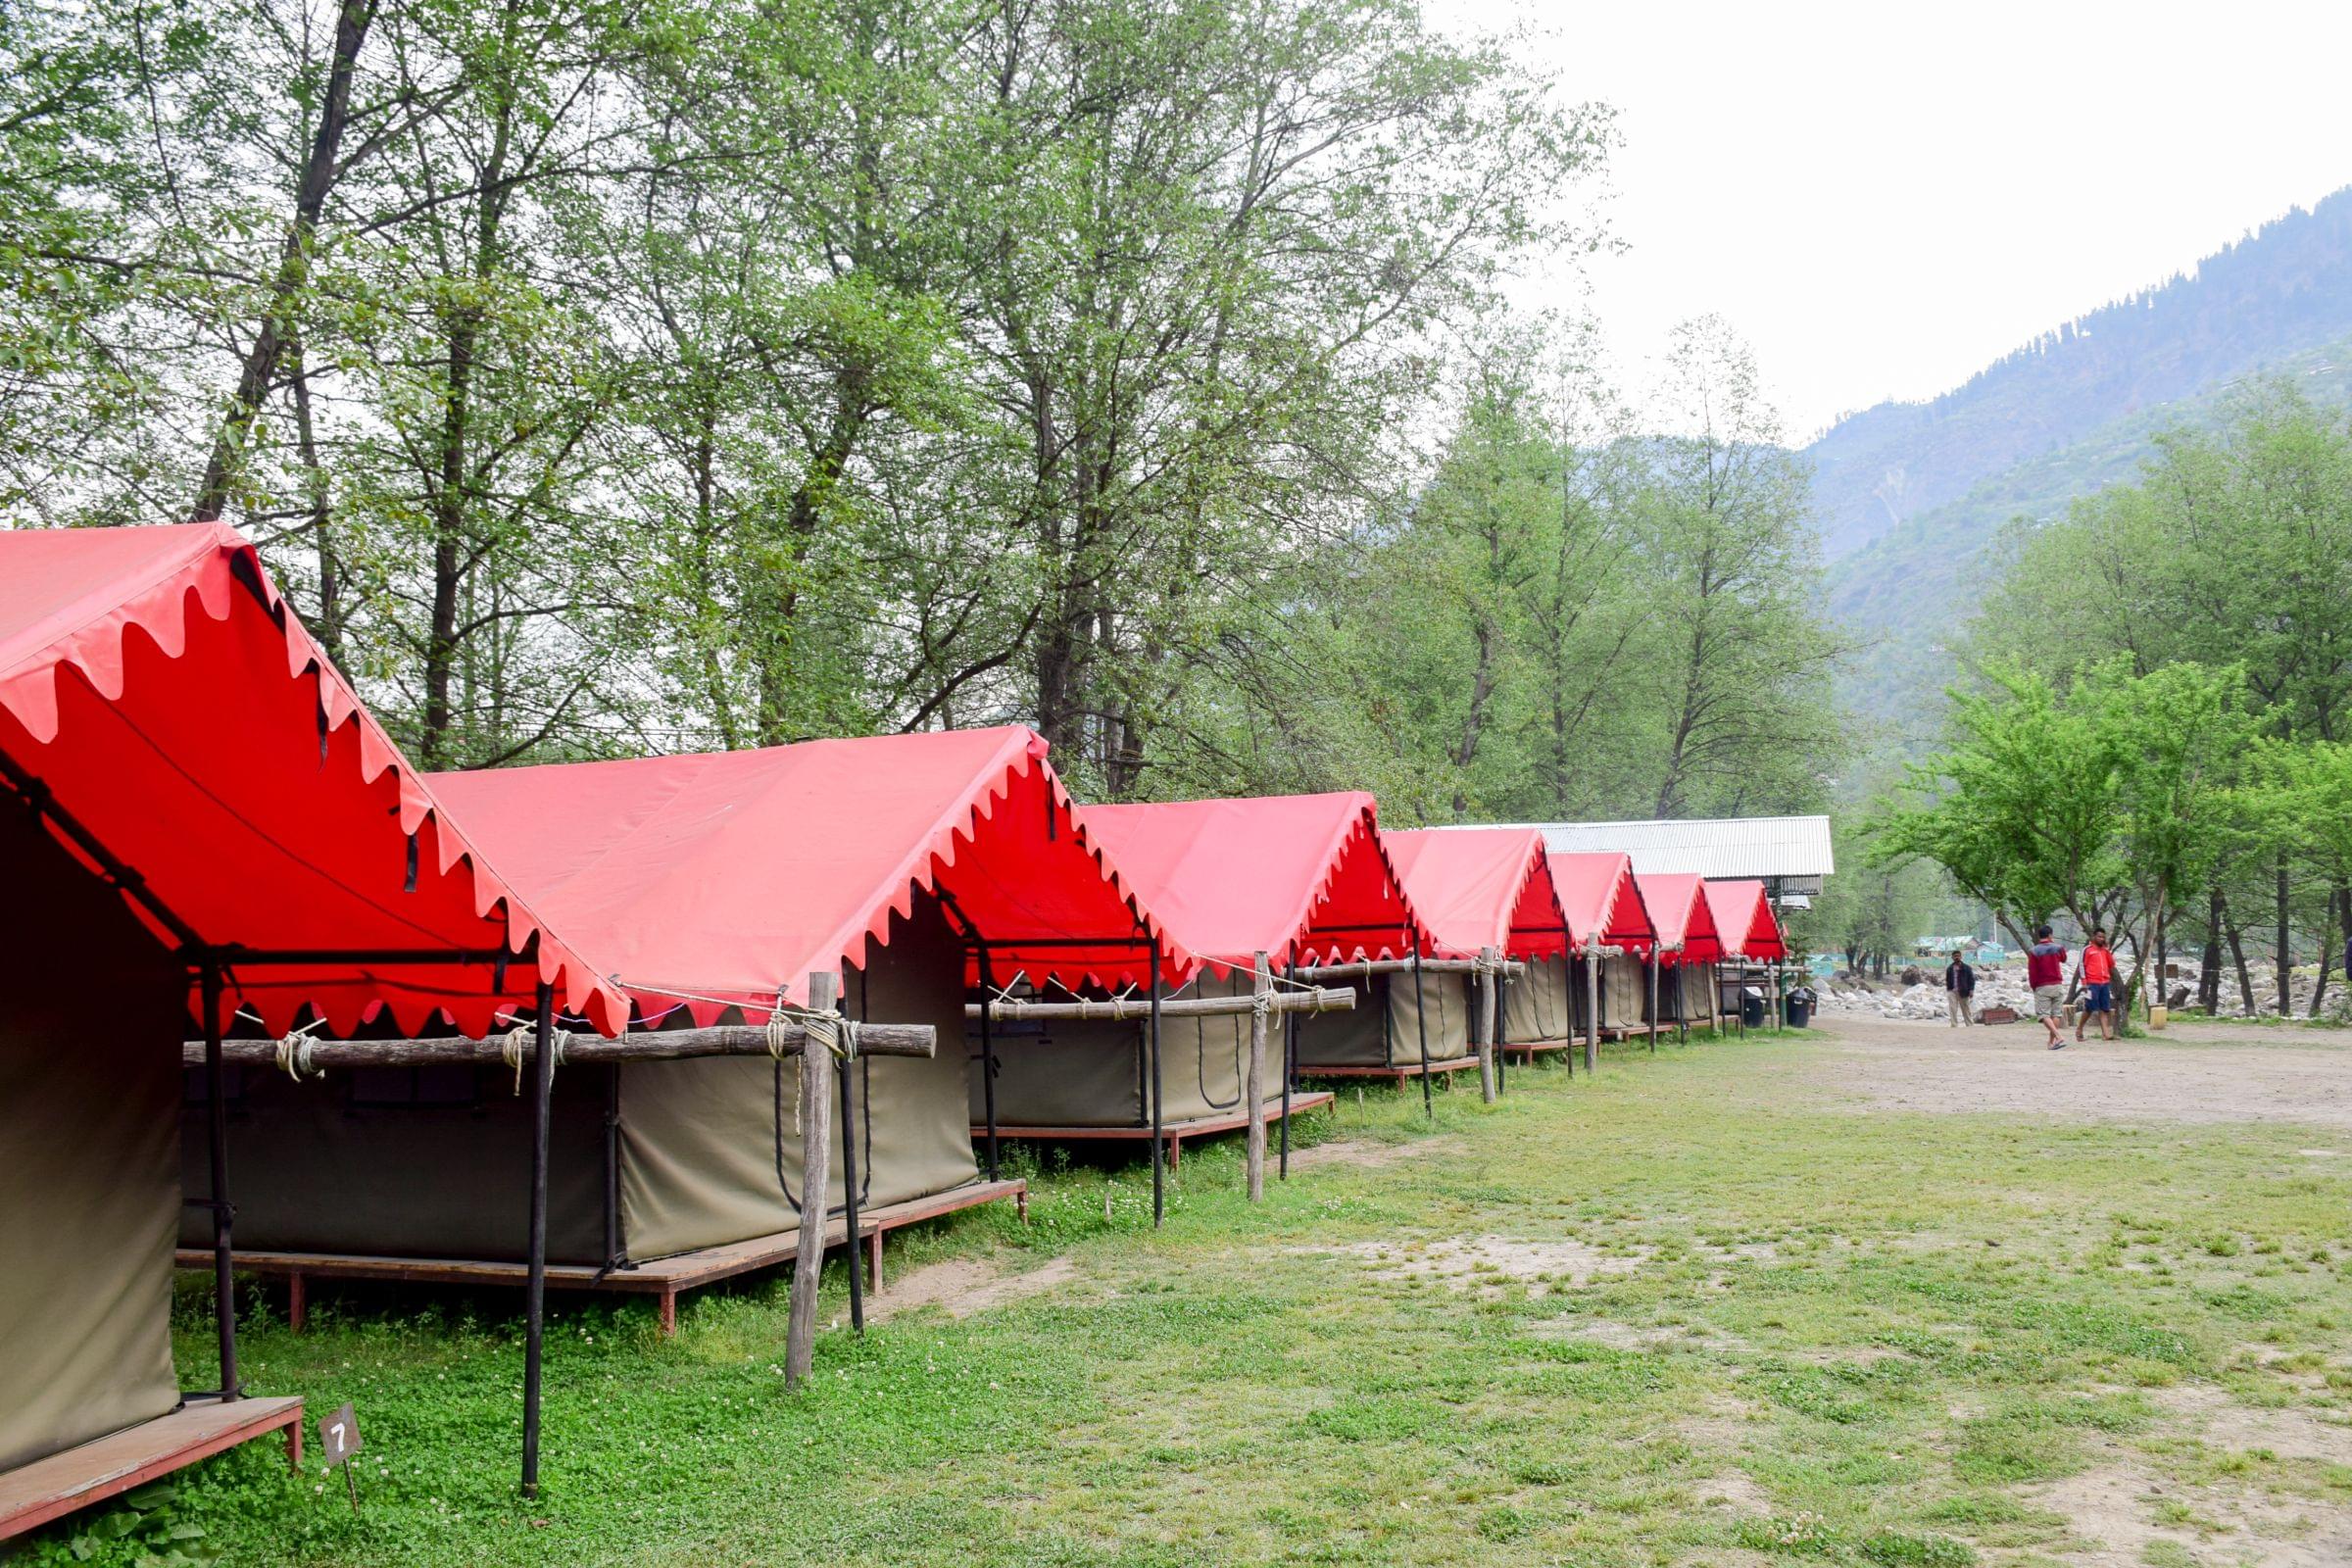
{"x": 32, "y": 1494}
{"x": 1529, "y": 1047}
{"x": 1404, "y": 1074}
{"x": 662, "y": 1277}
{"x": 1173, "y": 1133}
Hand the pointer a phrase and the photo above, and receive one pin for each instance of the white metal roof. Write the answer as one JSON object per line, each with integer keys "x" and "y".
{"x": 1711, "y": 847}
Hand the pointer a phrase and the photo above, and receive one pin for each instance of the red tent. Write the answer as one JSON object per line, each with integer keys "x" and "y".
{"x": 1677, "y": 902}
{"x": 1602, "y": 903}
{"x": 171, "y": 729}
{"x": 1302, "y": 878}
{"x": 178, "y": 730}
{"x": 1479, "y": 888}
{"x": 718, "y": 880}
{"x": 1743, "y": 915}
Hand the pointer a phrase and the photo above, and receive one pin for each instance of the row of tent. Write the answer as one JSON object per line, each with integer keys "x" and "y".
{"x": 203, "y": 823}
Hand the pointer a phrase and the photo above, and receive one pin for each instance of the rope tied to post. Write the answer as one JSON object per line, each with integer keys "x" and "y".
{"x": 522, "y": 1040}
{"x": 294, "y": 1052}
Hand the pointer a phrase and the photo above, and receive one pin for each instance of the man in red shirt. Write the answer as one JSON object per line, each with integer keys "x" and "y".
{"x": 2045, "y": 972}
{"x": 2098, "y": 987}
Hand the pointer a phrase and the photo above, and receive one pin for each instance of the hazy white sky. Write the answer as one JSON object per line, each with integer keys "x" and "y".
{"x": 1885, "y": 197}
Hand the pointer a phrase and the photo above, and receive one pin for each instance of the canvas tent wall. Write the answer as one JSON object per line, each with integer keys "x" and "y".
{"x": 1687, "y": 944}
{"x": 1302, "y": 878}
{"x": 717, "y": 884}
{"x": 1485, "y": 890}
{"x": 1751, "y": 941}
{"x": 204, "y": 804}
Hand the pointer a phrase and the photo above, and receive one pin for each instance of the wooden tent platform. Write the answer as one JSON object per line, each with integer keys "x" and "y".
{"x": 1173, "y": 1133}
{"x": 662, "y": 1277}
{"x": 1530, "y": 1049}
{"x": 32, "y": 1494}
{"x": 1404, "y": 1074}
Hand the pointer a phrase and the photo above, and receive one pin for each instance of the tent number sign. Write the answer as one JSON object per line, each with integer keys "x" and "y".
{"x": 338, "y": 1441}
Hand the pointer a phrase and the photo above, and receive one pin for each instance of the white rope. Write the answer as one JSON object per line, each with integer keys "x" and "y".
{"x": 294, "y": 1048}
{"x": 523, "y": 1039}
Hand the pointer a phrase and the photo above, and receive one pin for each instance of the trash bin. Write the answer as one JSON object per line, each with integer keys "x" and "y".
{"x": 1752, "y": 1007}
{"x": 1797, "y": 1007}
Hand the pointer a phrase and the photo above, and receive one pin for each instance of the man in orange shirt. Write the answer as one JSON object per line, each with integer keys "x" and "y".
{"x": 2098, "y": 987}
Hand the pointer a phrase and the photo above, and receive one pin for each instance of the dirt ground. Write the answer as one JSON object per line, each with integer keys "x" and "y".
{"x": 2197, "y": 1072}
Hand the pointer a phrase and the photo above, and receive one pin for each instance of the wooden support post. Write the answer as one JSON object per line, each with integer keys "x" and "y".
{"x": 1254, "y": 1088}
{"x": 816, "y": 1164}
{"x": 1486, "y": 1024}
{"x": 534, "y": 1333}
{"x": 1593, "y": 1015}
{"x": 298, "y": 1303}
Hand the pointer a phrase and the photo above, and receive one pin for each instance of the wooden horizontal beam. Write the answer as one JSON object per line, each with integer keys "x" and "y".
{"x": 651, "y": 1044}
{"x": 1512, "y": 968}
{"x": 1006, "y": 1010}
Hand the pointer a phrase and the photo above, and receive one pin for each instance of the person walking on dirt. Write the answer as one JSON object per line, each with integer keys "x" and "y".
{"x": 2045, "y": 972}
{"x": 2098, "y": 987}
{"x": 1959, "y": 984}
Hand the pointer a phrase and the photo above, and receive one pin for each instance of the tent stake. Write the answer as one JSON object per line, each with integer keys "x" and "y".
{"x": 1159, "y": 1153}
{"x": 543, "y": 1094}
{"x": 224, "y": 1278}
{"x": 1421, "y": 1021}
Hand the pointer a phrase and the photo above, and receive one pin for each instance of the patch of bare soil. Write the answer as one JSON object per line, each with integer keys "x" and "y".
{"x": 2115, "y": 1512}
{"x": 1488, "y": 1264}
{"x": 2220, "y": 1422}
{"x": 963, "y": 1286}
{"x": 1890, "y": 1064}
{"x": 1368, "y": 1156}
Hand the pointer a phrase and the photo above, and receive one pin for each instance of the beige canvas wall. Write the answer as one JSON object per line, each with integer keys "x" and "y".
{"x": 89, "y": 1176}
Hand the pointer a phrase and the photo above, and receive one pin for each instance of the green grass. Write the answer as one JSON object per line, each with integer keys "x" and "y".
{"x": 1804, "y": 1336}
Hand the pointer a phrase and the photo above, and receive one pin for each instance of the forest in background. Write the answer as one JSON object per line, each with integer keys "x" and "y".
{"x": 609, "y": 380}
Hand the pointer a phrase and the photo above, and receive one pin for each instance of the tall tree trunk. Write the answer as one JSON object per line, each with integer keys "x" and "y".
{"x": 2237, "y": 956}
{"x": 450, "y": 508}
{"x": 2209, "y": 964}
{"x": 318, "y": 173}
{"x": 1482, "y": 687}
{"x": 2328, "y": 942}
{"x": 330, "y": 622}
{"x": 2286, "y": 956}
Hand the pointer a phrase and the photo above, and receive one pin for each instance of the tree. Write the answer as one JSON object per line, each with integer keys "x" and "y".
{"x": 2111, "y": 800}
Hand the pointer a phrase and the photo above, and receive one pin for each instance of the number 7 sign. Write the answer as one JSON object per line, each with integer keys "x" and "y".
{"x": 339, "y": 1440}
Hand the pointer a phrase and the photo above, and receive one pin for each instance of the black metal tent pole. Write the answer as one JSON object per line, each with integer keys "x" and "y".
{"x": 216, "y": 1105}
{"x": 1654, "y": 997}
{"x": 987, "y": 1051}
{"x": 1159, "y": 1153}
{"x": 1421, "y": 1023}
{"x": 1290, "y": 1069}
{"x": 849, "y": 1198}
{"x": 1568, "y": 961}
{"x": 543, "y": 1094}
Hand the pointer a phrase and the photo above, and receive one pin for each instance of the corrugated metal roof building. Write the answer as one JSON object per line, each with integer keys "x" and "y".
{"x": 1790, "y": 855}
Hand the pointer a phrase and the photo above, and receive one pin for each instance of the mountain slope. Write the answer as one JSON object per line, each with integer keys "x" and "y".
{"x": 2282, "y": 291}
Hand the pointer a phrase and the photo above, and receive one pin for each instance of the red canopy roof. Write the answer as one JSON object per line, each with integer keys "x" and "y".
{"x": 1677, "y": 903}
{"x": 718, "y": 879}
{"x": 1301, "y": 878}
{"x": 1743, "y": 915}
{"x": 1478, "y": 888}
{"x": 156, "y": 689}
{"x": 1601, "y": 900}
